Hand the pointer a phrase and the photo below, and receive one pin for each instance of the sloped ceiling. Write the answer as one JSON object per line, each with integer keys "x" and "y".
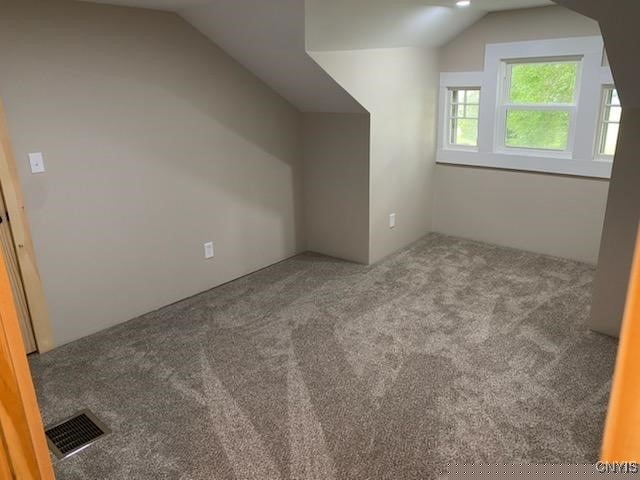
{"x": 268, "y": 36}
{"x": 358, "y": 24}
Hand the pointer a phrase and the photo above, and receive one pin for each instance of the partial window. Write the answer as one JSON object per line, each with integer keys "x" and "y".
{"x": 538, "y": 104}
{"x": 609, "y": 123}
{"x": 462, "y": 122}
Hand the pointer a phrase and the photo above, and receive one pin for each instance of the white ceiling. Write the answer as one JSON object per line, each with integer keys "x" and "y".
{"x": 268, "y": 36}
{"x": 170, "y": 5}
{"x": 496, "y": 5}
{"x": 176, "y": 5}
{"x": 357, "y": 24}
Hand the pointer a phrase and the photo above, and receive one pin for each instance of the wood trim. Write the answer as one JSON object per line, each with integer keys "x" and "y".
{"x": 22, "y": 441}
{"x": 13, "y": 269}
{"x": 5, "y": 466}
{"x": 22, "y": 237}
{"x": 622, "y": 430}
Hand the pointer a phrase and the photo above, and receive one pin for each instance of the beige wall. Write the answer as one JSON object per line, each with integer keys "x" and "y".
{"x": 623, "y": 208}
{"x": 336, "y": 184}
{"x": 620, "y": 31}
{"x": 554, "y": 215}
{"x": 398, "y": 86}
{"x": 155, "y": 141}
{"x": 550, "y": 214}
{"x": 466, "y": 52}
{"x": 620, "y": 230}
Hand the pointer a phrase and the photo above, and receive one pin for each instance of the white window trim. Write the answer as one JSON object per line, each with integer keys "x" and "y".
{"x": 580, "y": 158}
{"x": 451, "y": 82}
{"x": 599, "y": 138}
{"x": 447, "y": 120}
{"x": 503, "y": 107}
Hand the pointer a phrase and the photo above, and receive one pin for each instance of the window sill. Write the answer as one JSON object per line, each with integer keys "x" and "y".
{"x": 531, "y": 152}
{"x": 546, "y": 164}
{"x": 461, "y": 148}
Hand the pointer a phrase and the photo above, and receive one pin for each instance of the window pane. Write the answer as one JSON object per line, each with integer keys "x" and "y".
{"x": 473, "y": 96}
{"x": 614, "y": 100}
{"x": 463, "y": 116}
{"x": 547, "y": 130}
{"x": 610, "y": 138}
{"x": 472, "y": 111}
{"x": 543, "y": 82}
{"x": 464, "y": 132}
{"x": 609, "y": 123}
{"x": 457, "y": 110}
{"x": 613, "y": 114}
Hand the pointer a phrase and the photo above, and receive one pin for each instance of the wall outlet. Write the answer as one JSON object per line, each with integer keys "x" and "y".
{"x": 392, "y": 220}
{"x": 208, "y": 250}
{"x": 36, "y": 160}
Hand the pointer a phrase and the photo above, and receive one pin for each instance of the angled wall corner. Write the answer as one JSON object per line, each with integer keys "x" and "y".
{"x": 336, "y": 184}
{"x": 619, "y": 25}
{"x": 268, "y": 38}
{"x": 154, "y": 144}
{"x": 620, "y": 230}
{"x": 399, "y": 87}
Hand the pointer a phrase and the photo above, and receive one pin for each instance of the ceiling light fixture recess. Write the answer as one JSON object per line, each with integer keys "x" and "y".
{"x": 463, "y": 3}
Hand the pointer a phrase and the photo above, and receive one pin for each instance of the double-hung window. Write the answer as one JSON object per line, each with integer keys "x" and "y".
{"x": 463, "y": 111}
{"x": 609, "y": 123}
{"x": 541, "y": 106}
{"x": 538, "y": 105}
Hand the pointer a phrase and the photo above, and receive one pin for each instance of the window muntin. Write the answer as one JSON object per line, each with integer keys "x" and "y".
{"x": 538, "y": 104}
{"x": 463, "y": 113}
{"x": 584, "y": 111}
{"x": 609, "y": 123}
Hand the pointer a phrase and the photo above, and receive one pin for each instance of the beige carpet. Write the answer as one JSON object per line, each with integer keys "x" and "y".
{"x": 321, "y": 369}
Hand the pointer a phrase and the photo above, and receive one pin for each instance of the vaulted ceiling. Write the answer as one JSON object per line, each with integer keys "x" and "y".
{"x": 356, "y": 24}
{"x": 270, "y": 37}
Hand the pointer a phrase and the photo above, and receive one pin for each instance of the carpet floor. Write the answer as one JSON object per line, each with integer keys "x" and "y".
{"x": 319, "y": 369}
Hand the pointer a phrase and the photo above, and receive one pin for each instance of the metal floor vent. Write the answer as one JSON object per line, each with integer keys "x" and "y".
{"x": 75, "y": 434}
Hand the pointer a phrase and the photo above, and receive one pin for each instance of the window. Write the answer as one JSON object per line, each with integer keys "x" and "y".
{"x": 462, "y": 124}
{"x": 538, "y": 104}
{"x": 547, "y": 106}
{"x": 609, "y": 123}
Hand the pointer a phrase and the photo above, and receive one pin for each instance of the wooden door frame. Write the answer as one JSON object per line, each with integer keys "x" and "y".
{"x": 621, "y": 442}
{"x": 23, "y": 447}
{"x": 10, "y": 183}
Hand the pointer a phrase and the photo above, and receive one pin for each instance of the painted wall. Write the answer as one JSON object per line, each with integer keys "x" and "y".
{"x": 336, "y": 184}
{"x": 398, "y": 86}
{"x": 549, "y": 214}
{"x": 155, "y": 141}
{"x": 620, "y": 229}
{"x": 465, "y": 53}
{"x": 554, "y": 215}
{"x": 268, "y": 37}
{"x": 620, "y": 31}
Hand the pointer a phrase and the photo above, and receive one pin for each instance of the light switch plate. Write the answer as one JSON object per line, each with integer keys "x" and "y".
{"x": 208, "y": 250}
{"x": 392, "y": 220}
{"x": 37, "y": 162}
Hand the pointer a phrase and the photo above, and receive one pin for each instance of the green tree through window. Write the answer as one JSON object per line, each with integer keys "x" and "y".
{"x": 533, "y": 83}
{"x": 539, "y": 102}
{"x": 464, "y": 109}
